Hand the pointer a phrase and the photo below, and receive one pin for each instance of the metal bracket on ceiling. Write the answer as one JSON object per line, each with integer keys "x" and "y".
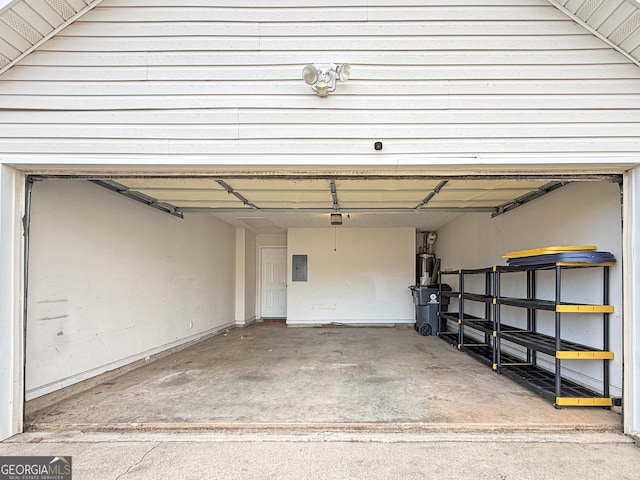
{"x": 139, "y": 197}
{"x": 433, "y": 193}
{"x": 231, "y": 191}
{"x": 334, "y": 195}
{"x": 508, "y": 206}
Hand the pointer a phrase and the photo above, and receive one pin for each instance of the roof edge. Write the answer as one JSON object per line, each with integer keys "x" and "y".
{"x": 593, "y": 31}
{"x": 4, "y": 5}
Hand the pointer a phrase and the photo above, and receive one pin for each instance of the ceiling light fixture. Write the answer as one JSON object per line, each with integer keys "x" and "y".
{"x": 322, "y": 76}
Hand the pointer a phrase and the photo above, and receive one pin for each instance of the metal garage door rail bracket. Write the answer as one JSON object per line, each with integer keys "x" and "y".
{"x": 139, "y": 197}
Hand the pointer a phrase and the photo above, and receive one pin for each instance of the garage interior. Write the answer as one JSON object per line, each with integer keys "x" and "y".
{"x": 164, "y": 315}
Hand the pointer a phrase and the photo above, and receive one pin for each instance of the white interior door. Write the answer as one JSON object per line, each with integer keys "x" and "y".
{"x": 274, "y": 282}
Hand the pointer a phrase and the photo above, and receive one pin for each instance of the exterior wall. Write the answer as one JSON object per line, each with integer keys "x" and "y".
{"x": 458, "y": 84}
{"x": 11, "y": 303}
{"x": 433, "y": 79}
{"x": 577, "y": 214}
{"x": 363, "y": 281}
{"x": 632, "y": 304}
{"x": 113, "y": 281}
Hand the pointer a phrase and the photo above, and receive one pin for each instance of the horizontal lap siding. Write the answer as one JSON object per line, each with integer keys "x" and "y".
{"x": 466, "y": 77}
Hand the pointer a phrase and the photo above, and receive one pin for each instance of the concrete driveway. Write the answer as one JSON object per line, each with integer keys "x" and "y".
{"x": 138, "y": 455}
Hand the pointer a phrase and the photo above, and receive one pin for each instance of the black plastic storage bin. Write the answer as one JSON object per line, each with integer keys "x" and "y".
{"x": 428, "y": 304}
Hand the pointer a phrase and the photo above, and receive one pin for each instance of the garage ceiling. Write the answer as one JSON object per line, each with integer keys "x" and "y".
{"x": 275, "y": 204}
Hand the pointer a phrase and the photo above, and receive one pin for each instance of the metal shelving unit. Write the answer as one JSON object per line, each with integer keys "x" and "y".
{"x": 550, "y": 383}
{"x": 525, "y": 368}
{"x": 481, "y": 326}
{"x": 449, "y": 336}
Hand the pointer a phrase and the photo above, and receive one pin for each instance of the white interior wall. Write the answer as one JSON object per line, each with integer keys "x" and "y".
{"x": 577, "y": 214}
{"x": 250, "y": 274}
{"x": 355, "y": 276}
{"x": 241, "y": 260}
{"x": 271, "y": 239}
{"x": 245, "y": 308}
{"x": 113, "y": 281}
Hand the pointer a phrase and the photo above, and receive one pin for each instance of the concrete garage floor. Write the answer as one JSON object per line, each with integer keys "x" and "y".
{"x": 270, "y": 375}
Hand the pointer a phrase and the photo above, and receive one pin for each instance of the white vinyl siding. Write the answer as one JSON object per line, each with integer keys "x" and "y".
{"x": 222, "y": 79}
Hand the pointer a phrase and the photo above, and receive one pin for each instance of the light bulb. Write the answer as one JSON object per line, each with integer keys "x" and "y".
{"x": 344, "y": 71}
{"x": 310, "y": 74}
{"x": 322, "y": 88}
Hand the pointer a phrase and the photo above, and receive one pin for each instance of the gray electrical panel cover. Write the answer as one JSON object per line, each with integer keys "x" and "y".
{"x": 299, "y": 268}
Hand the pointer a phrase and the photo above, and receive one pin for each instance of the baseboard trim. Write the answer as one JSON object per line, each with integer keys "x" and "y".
{"x": 349, "y": 323}
{"x": 247, "y": 322}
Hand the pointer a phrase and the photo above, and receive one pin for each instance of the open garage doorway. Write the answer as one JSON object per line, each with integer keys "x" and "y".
{"x": 114, "y": 284}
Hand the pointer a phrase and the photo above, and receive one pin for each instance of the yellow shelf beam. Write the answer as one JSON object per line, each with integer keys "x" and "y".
{"x": 584, "y": 308}
{"x": 569, "y": 355}
{"x": 534, "y": 252}
{"x": 585, "y": 264}
{"x": 583, "y": 402}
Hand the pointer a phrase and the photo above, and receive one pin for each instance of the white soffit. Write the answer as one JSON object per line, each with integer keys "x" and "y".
{"x": 25, "y": 24}
{"x": 615, "y": 21}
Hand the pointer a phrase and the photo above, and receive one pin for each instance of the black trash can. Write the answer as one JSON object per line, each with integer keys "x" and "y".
{"x": 428, "y": 303}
